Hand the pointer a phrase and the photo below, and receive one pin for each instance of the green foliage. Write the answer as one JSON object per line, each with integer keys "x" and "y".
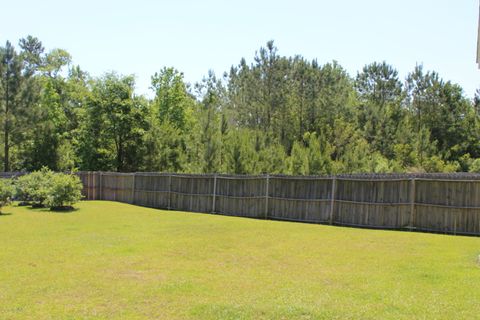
{"x": 65, "y": 190}
{"x": 34, "y": 187}
{"x": 23, "y": 191}
{"x": 311, "y": 157}
{"x": 47, "y": 188}
{"x": 380, "y": 115}
{"x": 13, "y": 102}
{"x": 319, "y": 154}
{"x": 436, "y": 164}
{"x": 241, "y": 156}
{"x": 7, "y": 191}
{"x": 273, "y": 159}
{"x": 166, "y": 148}
{"x": 299, "y": 160}
{"x": 172, "y": 101}
{"x": 113, "y": 125}
{"x": 277, "y": 114}
{"x": 475, "y": 166}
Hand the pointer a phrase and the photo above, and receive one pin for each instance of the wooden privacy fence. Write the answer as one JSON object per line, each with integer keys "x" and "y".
{"x": 447, "y": 203}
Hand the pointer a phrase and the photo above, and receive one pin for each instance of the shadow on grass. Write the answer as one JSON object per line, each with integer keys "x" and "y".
{"x": 2, "y": 214}
{"x": 55, "y": 210}
{"x": 63, "y": 209}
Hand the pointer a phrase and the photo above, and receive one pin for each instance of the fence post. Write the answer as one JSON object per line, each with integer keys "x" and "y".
{"x": 332, "y": 199}
{"x": 94, "y": 186}
{"x": 191, "y": 194}
{"x": 88, "y": 185}
{"x": 266, "y": 195}
{"x": 97, "y": 186}
{"x": 92, "y": 181}
{"x": 100, "y": 182}
{"x": 133, "y": 188}
{"x": 214, "y": 191}
{"x": 455, "y": 223}
{"x": 412, "y": 203}
{"x": 169, "y": 191}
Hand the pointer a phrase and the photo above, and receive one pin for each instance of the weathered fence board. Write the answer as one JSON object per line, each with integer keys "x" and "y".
{"x": 456, "y": 204}
{"x": 241, "y": 196}
{"x": 300, "y": 199}
{"x": 191, "y": 192}
{"x": 447, "y": 203}
{"x": 152, "y": 190}
{"x": 379, "y": 204}
{"x": 117, "y": 186}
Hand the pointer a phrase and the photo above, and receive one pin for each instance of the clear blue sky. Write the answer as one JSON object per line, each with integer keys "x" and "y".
{"x": 140, "y": 37}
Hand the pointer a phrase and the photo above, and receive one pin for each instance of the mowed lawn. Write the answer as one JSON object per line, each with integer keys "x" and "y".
{"x": 116, "y": 261}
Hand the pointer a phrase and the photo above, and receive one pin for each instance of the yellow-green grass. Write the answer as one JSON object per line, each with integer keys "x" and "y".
{"x": 116, "y": 261}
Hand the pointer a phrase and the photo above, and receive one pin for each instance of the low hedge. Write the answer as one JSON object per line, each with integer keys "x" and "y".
{"x": 6, "y": 192}
{"x": 45, "y": 188}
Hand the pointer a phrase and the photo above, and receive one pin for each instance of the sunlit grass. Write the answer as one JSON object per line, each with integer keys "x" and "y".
{"x": 111, "y": 260}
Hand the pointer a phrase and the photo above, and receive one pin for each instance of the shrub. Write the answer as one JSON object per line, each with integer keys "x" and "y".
{"x": 47, "y": 188}
{"x": 21, "y": 189}
{"x": 475, "y": 166}
{"x": 64, "y": 191}
{"x": 35, "y": 187}
{"x": 6, "y": 192}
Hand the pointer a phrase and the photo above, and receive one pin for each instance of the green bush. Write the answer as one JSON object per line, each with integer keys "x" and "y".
{"x": 65, "y": 190}
{"x": 34, "y": 188}
{"x": 47, "y": 188}
{"x": 475, "y": 166}
{"x": 22, "y": 193}
{"x": 6, "y": 192}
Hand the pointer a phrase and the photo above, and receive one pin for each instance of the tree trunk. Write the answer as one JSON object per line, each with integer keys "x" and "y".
{"x": 6, "y": 164}
{"x": 7, "y": 149}
{"x": 120, "y": 155}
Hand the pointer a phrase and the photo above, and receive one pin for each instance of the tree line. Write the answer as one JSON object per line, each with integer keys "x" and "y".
{"x": 276, "y": 114}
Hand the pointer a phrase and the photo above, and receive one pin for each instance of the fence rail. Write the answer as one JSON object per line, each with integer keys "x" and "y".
{"x": 447, "y": 203}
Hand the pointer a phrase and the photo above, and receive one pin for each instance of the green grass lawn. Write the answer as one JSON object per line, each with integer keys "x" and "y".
{"x": 112, "y": 260}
